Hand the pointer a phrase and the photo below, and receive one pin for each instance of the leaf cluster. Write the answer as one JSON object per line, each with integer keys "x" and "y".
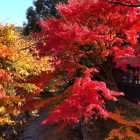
{"x": 19, "y": 60}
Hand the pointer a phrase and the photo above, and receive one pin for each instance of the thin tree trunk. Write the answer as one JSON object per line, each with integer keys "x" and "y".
{"x": 84, "y": 130}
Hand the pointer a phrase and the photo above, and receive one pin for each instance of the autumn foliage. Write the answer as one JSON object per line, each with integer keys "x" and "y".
{"x": 84, "y": 46}
{"x": 87, "y": 102}
{"x": 19, "y": 61}
{"x": 90, "y": 34}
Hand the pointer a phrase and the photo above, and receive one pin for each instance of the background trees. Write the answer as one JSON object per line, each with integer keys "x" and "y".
{"x": 40, "y": 10}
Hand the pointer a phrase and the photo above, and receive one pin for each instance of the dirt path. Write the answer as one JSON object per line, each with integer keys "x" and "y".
{"x": 33, "y": 130}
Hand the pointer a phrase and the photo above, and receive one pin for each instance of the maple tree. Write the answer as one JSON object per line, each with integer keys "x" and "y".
{"x": 19, "y": 61}
{"x": 90, "y": 34}
{"x": 85, "y": 46}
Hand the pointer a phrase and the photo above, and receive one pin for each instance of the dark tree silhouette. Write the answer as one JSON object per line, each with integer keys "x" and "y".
{"x": 40, "y": 10}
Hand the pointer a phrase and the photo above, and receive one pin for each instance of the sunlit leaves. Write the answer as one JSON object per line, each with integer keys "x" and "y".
{"x": 86, "y": 101}
{"x": 19, "y": 60}
{"x": 88, "y": 34}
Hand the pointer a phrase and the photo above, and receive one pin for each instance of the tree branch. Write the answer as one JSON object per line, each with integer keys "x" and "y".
{"x": 124, "y": 4}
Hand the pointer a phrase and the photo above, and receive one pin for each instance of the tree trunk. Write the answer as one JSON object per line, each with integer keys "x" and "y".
{"x": 84, "y": 130}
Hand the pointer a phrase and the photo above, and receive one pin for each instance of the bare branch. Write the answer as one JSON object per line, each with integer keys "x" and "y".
{"x": 124, "y": 4}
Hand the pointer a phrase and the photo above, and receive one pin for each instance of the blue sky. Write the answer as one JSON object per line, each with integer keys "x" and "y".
{"x": 14, "y": 11}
